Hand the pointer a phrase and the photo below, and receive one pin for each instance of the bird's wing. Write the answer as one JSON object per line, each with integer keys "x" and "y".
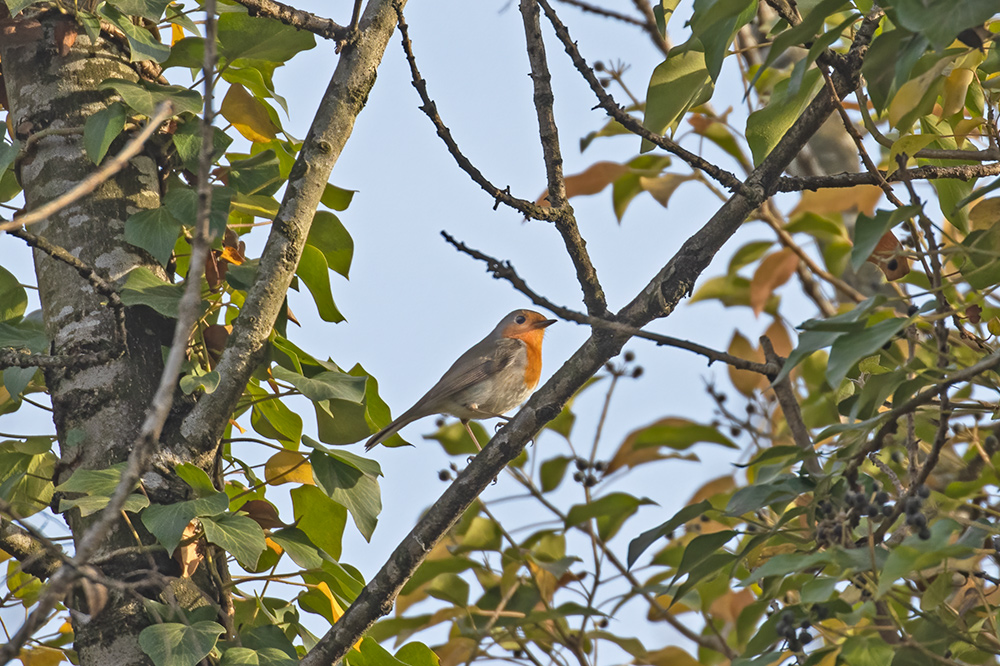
{"x": 479, "y": 362}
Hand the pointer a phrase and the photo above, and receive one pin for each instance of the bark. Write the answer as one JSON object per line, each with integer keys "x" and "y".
{"x": 97, "y": 410}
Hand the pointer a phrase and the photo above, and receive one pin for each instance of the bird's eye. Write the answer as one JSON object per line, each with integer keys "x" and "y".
{"x": 520, "y": 319}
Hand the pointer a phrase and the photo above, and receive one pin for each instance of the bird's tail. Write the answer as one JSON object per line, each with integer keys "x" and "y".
{"x": 386, "y": 432}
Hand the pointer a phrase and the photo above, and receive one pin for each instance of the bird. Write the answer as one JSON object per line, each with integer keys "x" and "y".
{"x": 496, "y": 375}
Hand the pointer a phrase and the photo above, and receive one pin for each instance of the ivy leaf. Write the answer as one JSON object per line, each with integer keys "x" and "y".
{"x": 349, "y": 486}
{"x": 155, "y": 231}
{"x": 268, "y": 656}
{"x": 148, "y": 9}
{"x": 175, "y": 644}
{"x": 13, "y": 297}
{"x": 320, "y": 518}
{"x": 328, "y": 235}
{"x": 167, "y": 521}
{"x": 243, "y": 37}
{"x": 144, "y": 288}
{"x": 101, "y": 129}
{"x": 248, "y": 115}
{"x": 238, "y": 535}
{"x": 142, "y": 44}
{"x": 328, "y": 385}
{"x": 145, "y": 96}
{"x": 314, "y": 271}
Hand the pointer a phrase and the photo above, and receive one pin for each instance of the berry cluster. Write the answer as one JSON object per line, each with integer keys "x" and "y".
{"x": 913, "y": 507}
{"x": 833, "y": 524}
{"x": 623, "y": 370}
{"x": 795, "y": 633}
{"x": 584, "y": 475}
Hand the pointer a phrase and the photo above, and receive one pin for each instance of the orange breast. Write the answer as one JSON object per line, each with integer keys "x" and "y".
{"x": 533, "y": 369}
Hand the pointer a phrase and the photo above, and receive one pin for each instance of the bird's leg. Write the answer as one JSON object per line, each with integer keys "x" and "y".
{"x": 468, "y": 429}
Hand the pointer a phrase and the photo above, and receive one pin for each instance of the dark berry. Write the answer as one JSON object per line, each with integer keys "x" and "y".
{"x": 602, "y": 623}
{"x": 923, "y": 492}
{"x": 881, "y": 497}
{"x": 805, "y": 624}
{"x": 598, "y": 66}
{"x": 821, "y": 612}
{"x": 629, "y": 356}
{"x": 590, "y": 481}
{"x": 887, "y": 510}
{"x": 600, "y": 466}
{"x": 924, "y": 533}
{"x": 918, "y": 520}
{"x": 913, "y": 505}
{"x": 912, "y": 310}
{"x": 444, "y": 475}
{"x": 751, "y": 409}
{"x": 805, "y": 637}
{"x": 578, "y": 476}
{"x": 582, "y": 464}
{"x": 735, "y": 431}
{"x": 637, "y": 372}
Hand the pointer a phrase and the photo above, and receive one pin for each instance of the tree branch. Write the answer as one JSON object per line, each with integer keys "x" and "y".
{"x": 963, "y": 172}
{"x": 576, "y": 247}
{"x": 297, "y": 18}
{"x": 658, "y": 299}
{"x": 785, "y": 394}
{"x": 345, "y": 97}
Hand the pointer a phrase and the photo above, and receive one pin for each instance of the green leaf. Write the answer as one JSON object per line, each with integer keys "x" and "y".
{"x": 154, "y": 230}
{"x": 187, "y": 141}
{"x": 175, "y": 644}
{"x": 197, "y": 478}
{"x": 259, "y": 174}
{"x": 188, "y": 52}
{"x": 94, "y": 481}
{"x": 700, "y": 548}
{"x": 167, "y": 521}
{"x": 149, "y": 9}
{"x": 268, "y": 656}
{"x": 89, "y": 504}
{"x": 330, "y": 237}
{"x": 678, "y": 83}
{"x": 101, "y": 129}
{"x": 320, "y": 518}
{"x": 350, "y": 487}
{"x": 941, "y": 20}
{"x": 336, "y": 198}
{"x": 552, "y": 472}
{"x": 804, "y": 32}
{"x": 245, "y": 37}
{"x": 639, "y": 544}
{"x": 864, "y": 650}
{"x": 237, "y": 534}
{"x": 417, "y": 654}
{"x": 145, "y": 96}
{"x": 679, "y": 434}
{"x": 314, "y": 271}
{"x": 327, "y": 385}
{"x": 182, "y": 202}
{"x": 869, "y": 231}
{"x": 849, "y": 349}
{"x": 299, "y": 547}
{"x": 758, "y": 495}
{"x": 207, "y": 382}
{"x": 715, "y": 23}
{"x": 767, "y": 126}
{"x": 15, "y": 6}
{"x": 142, "y": 44}
{"x": 13, "y": 297}
{"x": 611, "y": 511}
{"x": 144, "y": 288}
{"x": 272, "y": 418}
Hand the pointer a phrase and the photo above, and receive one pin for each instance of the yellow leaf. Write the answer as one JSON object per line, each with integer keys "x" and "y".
{"x": 232, "y": 255}
{"x": 335, "y": 608}
{"x": 248, "y": 115}
{"x": 176, "y": 34}
{"x": 993, "y": 326}
{"x": 780, "y": 340}
{"x": 955, "y": 88}
{"x": 288, "y": 467}
{"x": 985, "y": 214}
{"x": 911, "y": 93}
{"x": 862, "y": 198}
{"x": 909, "y": 145}
{"x": 457, "y": 651}
{"x": 745, "y": 381}
{"x": 41, "y": 655}
{"x": 774, "y": 270}
{"x": 964, "y": 127}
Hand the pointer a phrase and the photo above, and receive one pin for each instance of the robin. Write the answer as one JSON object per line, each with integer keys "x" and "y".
{"x": 495, "y": 376}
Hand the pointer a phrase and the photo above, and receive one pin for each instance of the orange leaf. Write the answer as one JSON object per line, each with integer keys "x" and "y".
{"x": 773, "y": 271}
{"x": 663, "y": 187}
{"x": 888, "y": 256}
{"x": 216, "y": 336}
{"x": 335, "y": 608}
{"x": 780, "y": 340}
{"x": 176, "y": 33}
{"x": 745, "y": 381}
{"x": 288, "y": 467}
{"x": 710, "y": 489}
{"x": 248, "y": 115}
{"x": 729, "y": 606}
{"x": 591, "y": 181}
{"x": 189, "y": 553}
{"x": 232, "y": 255}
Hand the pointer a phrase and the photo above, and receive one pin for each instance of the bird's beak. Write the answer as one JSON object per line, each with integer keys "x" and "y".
{"x": 544, "y": 323}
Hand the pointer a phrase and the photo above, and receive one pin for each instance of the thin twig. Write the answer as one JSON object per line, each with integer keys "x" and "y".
{"x": 838, "y": 180}
{"x": 576, "y": 246}
{"x": 523, "y": 206}
{"x": 91, "y": 182}
{"x": 505, "y": 271}
{"x": 785, "y": 394}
